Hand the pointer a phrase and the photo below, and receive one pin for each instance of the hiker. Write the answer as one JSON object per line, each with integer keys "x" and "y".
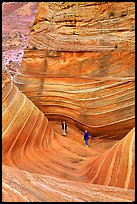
{"x": 64, "y": 128}
{"x": 86, "y": 138}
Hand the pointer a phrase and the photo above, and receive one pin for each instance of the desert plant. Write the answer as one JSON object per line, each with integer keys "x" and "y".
{"x": 111, "y": 13}
{"x": 34, "y": 48}
{"x": 132, "y": 28}
{"x": 123, "y": 14}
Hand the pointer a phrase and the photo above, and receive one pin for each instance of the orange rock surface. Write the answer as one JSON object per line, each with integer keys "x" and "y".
{"x": 90, "y": 86}
{"x": 36, "y": 156}
{"x": 102, "y": 103}
{"x": 84, "y": 26}
{"x": 79, "y": 66}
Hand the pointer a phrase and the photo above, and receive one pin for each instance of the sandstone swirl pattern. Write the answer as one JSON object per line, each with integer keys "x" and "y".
{"x": 36, "y": 157}
{"x": 103, "y": 105}
{"x": 79, "y": 66}
{"x": 90, "y": 84}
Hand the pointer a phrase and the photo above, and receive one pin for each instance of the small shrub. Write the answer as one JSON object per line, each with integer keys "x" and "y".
{"x": 32, "y": 29}
{"x": 34, "y": 48}
{"x": 123, "y": 14}
{"x": 76, "y": 160}
{"x": 116, "y": 46}
{"x": 132, "y": 28}
{"x": 111, "y": 14}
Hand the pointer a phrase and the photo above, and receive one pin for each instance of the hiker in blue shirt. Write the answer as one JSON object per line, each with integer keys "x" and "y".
{"x": 86, "y": 138}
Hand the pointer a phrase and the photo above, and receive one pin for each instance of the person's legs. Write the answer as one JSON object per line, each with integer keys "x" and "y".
{"x": 64, "y": 132}
{"x": 86, "y": 143}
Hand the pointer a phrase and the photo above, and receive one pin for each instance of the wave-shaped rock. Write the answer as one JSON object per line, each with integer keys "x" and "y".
{"x": 91, "y": 88}
{"x": 23, "y": 186}
{"x": 32, "y": 153}
{"x": 117, "y": 165}
{"x": 102, "y": 104}
{"x": 88, "y": 80}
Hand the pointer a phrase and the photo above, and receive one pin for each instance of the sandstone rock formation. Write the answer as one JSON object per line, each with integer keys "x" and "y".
{"x": 16, "y": 20}
{"x": 36, "y": 156}
{"x": 116, "y": 159}
{"x": 99, "y": 104}
{"x": 79, "y": 66}
{"x": 84, "y": 26}
{"x": 91, "y": 85}
{"x": 30, "y": 187}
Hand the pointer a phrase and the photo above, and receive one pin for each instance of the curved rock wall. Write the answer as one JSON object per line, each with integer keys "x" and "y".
{"x": 104, "y": 106}
{"x": 119, "y": 161}
{"x": 79, "y": 66}
{"x": 33, "y": 153}
{"x": 90, "y": 86}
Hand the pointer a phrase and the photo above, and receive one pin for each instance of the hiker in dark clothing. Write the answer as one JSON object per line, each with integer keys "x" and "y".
{"x": 86, "y": 138}
{"x": 64, "y": 128}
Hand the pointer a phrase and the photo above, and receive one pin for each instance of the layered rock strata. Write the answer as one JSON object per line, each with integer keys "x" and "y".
{"x": 33, "y": 153}
{"x": 120, "y": 163}
{"x": 81, "y": 69}
{"x": 88, "y": 83}
{"x": 84, "y": 26}
{"x": 30, "y": 187}
{"x": 78, "y": 92}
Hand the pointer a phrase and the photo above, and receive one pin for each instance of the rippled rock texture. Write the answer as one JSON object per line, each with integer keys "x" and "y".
{"x": 91, "y": 88}
{"x": 35, "y": 156}
{"x": 84, "y": 26}
{"x": 104, "y": 106}
{"x": 79, "y": 66}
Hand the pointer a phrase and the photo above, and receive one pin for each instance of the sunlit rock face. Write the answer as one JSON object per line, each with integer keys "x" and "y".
{"x": 34, "y": 156}
{"x": 119, "y": 161}
{"x": 79, "y": 66}
{"x": 104, "y": 106}
{"x": 90, "y": 84}
{"x": 84, "y": 26}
